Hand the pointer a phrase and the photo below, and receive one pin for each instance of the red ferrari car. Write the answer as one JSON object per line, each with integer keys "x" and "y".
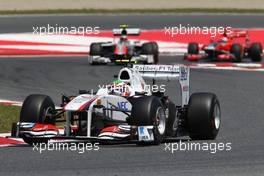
{"x": 226, "y": 49}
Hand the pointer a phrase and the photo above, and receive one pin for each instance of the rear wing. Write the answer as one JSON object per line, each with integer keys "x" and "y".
{"x": 168, "y": 72}
{"x": 238, "y": 34}
{"x": 130, "y": 31}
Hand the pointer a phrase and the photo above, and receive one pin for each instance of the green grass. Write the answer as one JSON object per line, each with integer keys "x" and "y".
{"x": 8, "y": 115}
{"x": 177, "y": 10}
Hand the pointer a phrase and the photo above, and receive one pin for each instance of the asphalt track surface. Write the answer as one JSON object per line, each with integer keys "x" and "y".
{"x": 240, "y": 95}
{"x": 22, "y": 23}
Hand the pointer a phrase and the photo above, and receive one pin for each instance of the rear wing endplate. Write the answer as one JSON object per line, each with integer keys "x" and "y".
{"x": 168, "y": 72}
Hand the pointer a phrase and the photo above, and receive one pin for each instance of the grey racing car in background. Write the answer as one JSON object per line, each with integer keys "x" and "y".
{"x": 124, "y": 50}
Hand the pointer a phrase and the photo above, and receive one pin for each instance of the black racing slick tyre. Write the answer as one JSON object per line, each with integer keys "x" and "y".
{"x": 203, "y": 116}
{"x": 255, "y": 52}
{"x": 148, "y": 110}
{"x": 96, "y": 49}
{"x": 171, "y": 116}
{"x": 36, "y": 109}
{"x": 150, "y": 48}
{"x": 155, "y": 47}
{"x": 155, "y": 50}
{"x": 236, "y": 50}
{"x": 147, "y": 48}
{"x": 193, "y": 48}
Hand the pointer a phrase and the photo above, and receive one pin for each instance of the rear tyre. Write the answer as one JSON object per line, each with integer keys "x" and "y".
{"x": 151, "y": 48}
{"x": 255, "y": 52}
{"x": 193, "y": 48}
{"x": 203, "y": 116}
{"x": 147, "y": 48}
{"x": 149, "y": 111}
{"x": 155, "y": 49}
{"x": 96, "y": 49}
{"x": 236, "y": 50}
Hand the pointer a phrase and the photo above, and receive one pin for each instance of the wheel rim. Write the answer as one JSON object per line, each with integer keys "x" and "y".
{"x": 217, "y": 115}
{"x": 47, "y": 113}
{"x": 161, "y": 120}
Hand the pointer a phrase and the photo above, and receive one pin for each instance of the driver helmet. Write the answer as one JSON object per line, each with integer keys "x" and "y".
{"x": 224, "y": 39}
{"x": 120, "y": 88}
{"x": 123, "y": 35}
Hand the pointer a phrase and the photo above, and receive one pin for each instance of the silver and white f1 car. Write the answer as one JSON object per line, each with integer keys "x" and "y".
{"x": 124, "y": 50}
{"x": 124, "y": 111}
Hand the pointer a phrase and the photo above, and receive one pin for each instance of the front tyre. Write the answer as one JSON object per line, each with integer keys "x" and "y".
{"x": 148, "y": 111}
{"x": 236, "y": 50}
{"x": 193, "y": 48}
{"x": 37, "y": 108}
{"x": 171, "y": 127}
{"x": 203, "y": 116}
{"x": 96, "y": 49}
